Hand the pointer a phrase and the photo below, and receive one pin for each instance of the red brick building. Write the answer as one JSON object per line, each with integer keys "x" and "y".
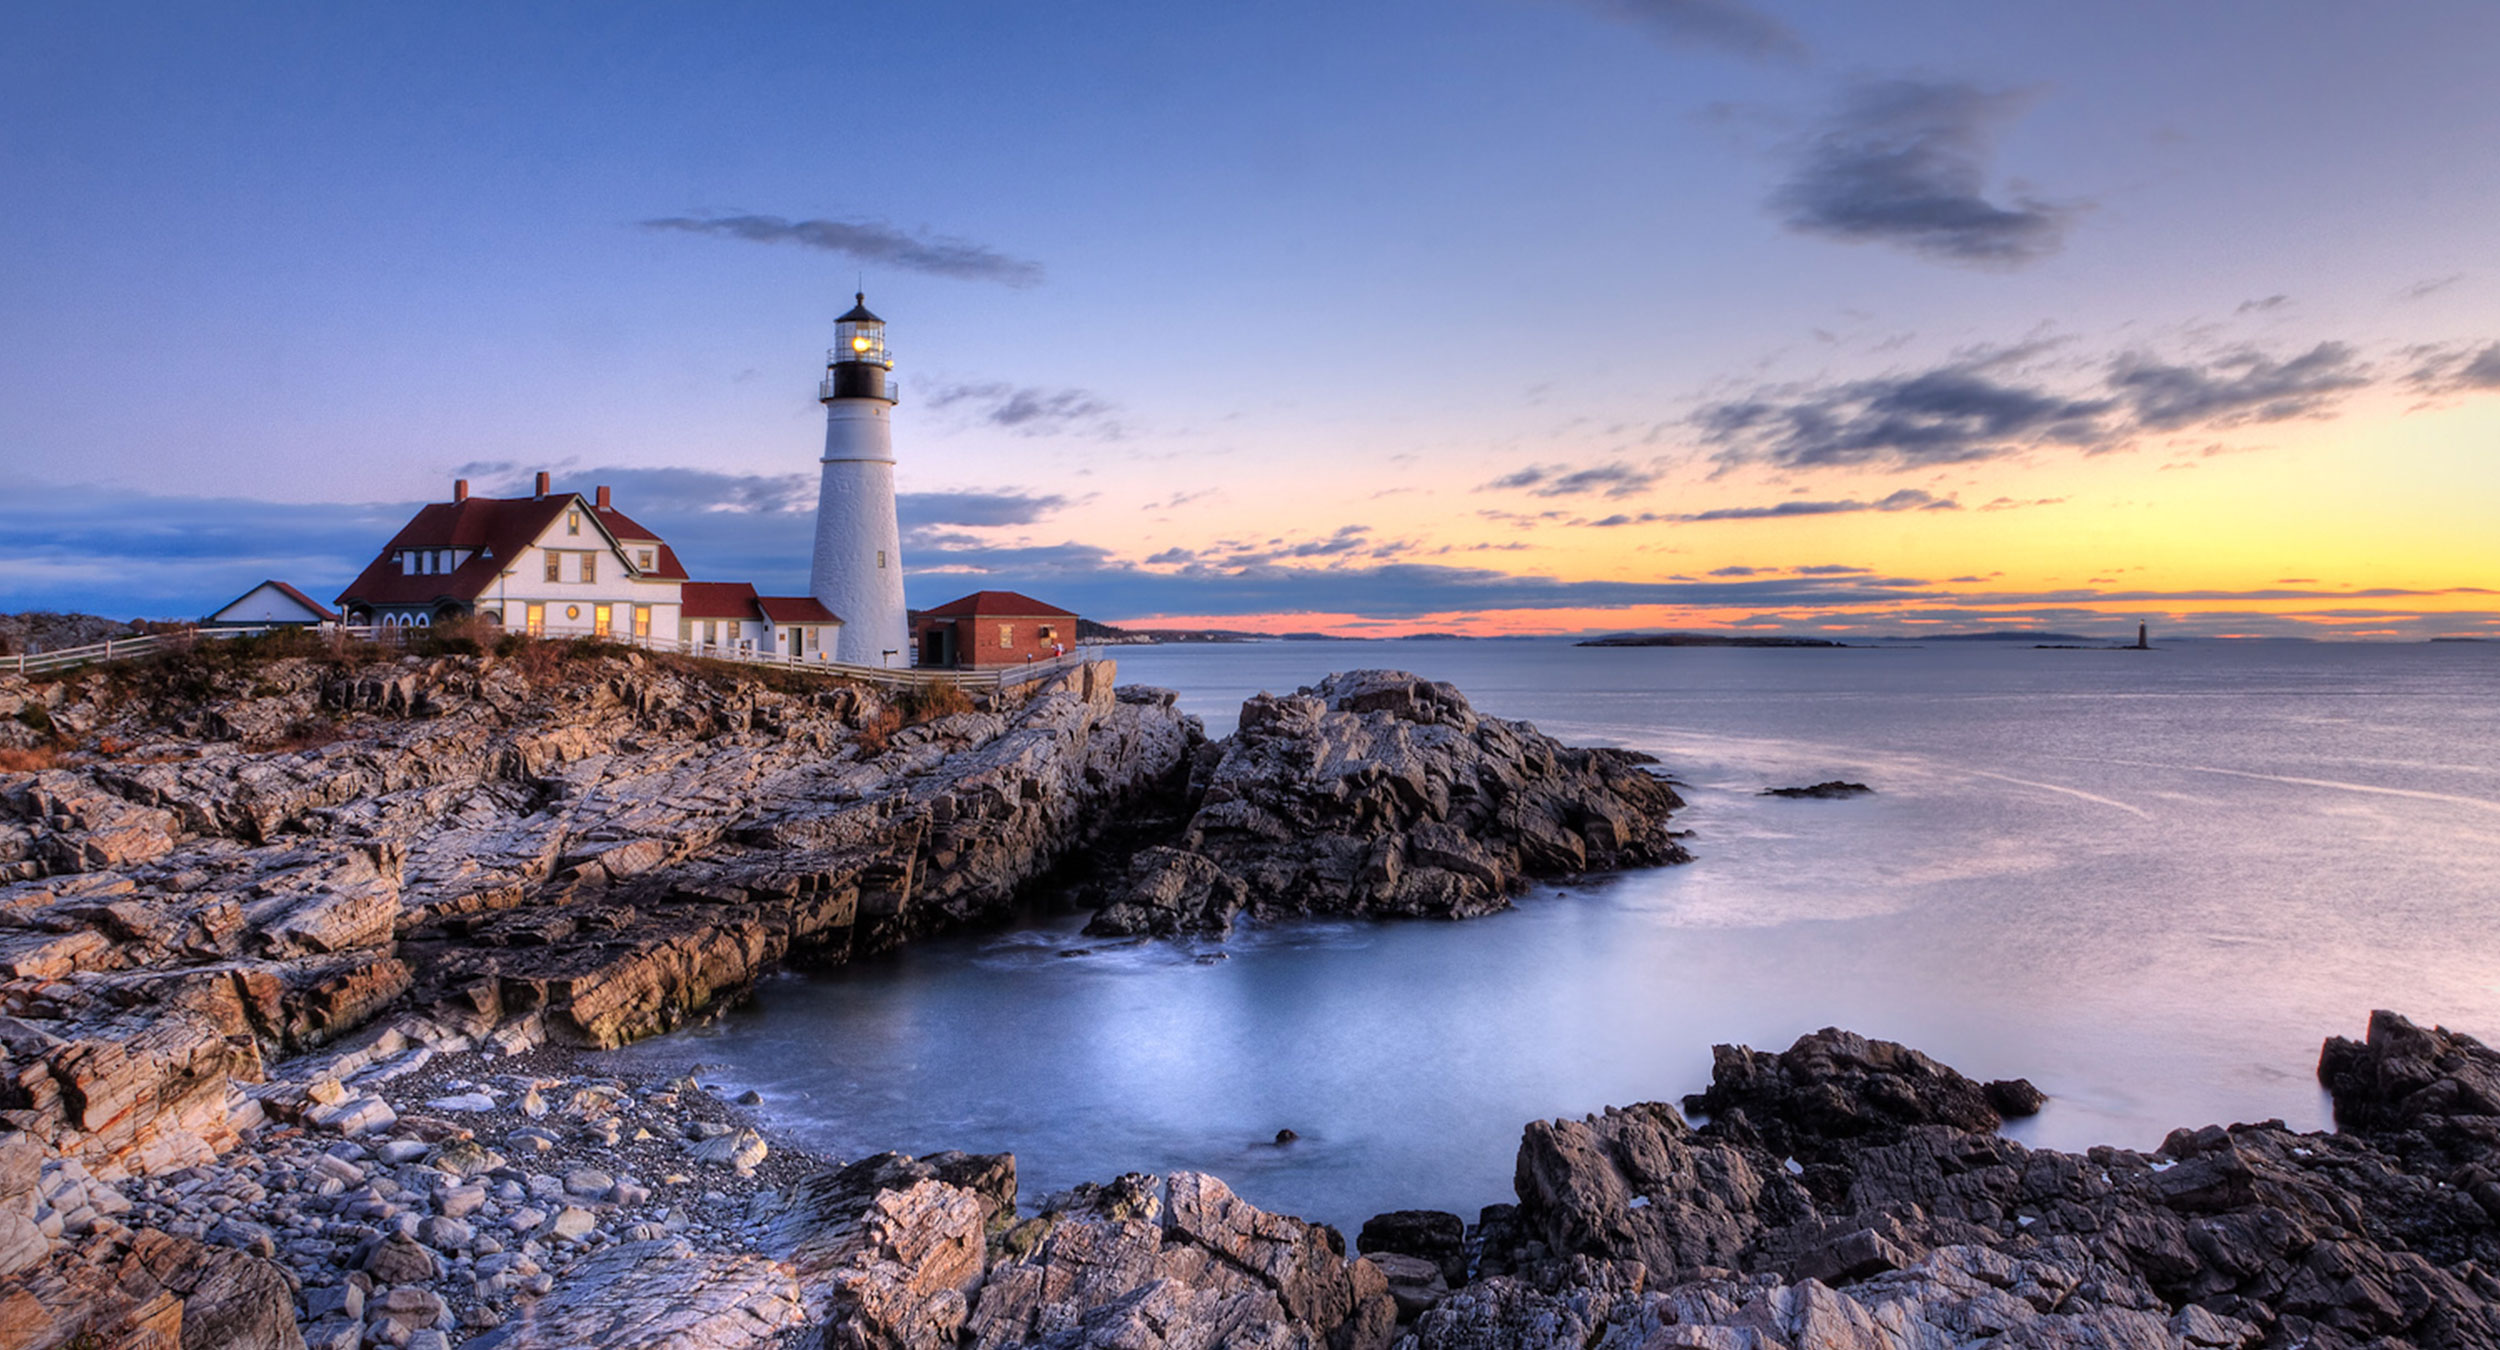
{"x": 992, "y": 628}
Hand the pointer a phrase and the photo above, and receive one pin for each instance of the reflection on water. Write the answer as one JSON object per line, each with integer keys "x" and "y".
{"x": 2150, "y": 882}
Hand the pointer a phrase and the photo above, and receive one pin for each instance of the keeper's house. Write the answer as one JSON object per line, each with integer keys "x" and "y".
{"x": 554, "y": 564}
{"x": 992, "y": 628}
{"x": 558, "y": 564}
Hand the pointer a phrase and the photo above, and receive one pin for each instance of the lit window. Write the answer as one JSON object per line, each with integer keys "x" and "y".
{"x": 645, "y": 557}
{"x": 536, "y": 618}
{"x": 642, "y": 621}
{"x": 1049, "y": 631}
{"x": 600, "y": 620}
{"x": 555, "y": 566}
{"x": 572, "y": 611}
{"x": 572, "y": 522}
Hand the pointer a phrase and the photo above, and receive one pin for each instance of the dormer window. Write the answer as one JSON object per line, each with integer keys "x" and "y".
{"x": 644, "y": 558}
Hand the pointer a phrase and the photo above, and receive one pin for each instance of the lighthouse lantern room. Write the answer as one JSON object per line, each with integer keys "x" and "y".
{"x": 858, "y": 571}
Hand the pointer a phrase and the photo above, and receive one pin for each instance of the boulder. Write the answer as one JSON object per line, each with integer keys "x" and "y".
{"x": 1429, "y": 1234}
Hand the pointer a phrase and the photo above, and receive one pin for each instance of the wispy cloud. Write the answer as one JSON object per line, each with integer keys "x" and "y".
{"x": 1615, "y": 479}
{"x": 1970, "y": 409}
{"x": 1907, "y": 499}
{"x": 867, "y": 241}
{"x": 1905, "y": 163}
{"x": 2242, "y": 386}
{"x": 1030, "y": 410}
{"x": 1995, "y": 403}
{"x": 2456, "y": 369}
{"x": 1724, "y": 25}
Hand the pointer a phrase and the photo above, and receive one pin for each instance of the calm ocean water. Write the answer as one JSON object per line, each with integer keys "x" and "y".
{"x": 2151, "y": 882}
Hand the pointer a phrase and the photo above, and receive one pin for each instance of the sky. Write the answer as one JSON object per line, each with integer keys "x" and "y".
{"x": 1479, "y": 316}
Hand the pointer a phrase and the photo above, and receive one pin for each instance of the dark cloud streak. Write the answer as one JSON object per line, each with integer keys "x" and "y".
{"x": 1615, "y": 479}
{"x": 1726, "y": 25}
{"x": 867, "y": 241}
{"x": 1029, "y": 410}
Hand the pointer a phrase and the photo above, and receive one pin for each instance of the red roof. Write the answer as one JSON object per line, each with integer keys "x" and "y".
{"x": 795, "y": 609}
{"x": 284, "y": 589}
{"x": 498, "y": 528}
{"x": 300, "y": 598}
{"x": 630, "y": 531}
{"x": 1008, "y": 603}
{"x": 717, "y": 600}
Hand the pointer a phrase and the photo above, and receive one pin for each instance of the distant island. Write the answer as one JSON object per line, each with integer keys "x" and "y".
{"x": 1703, "y": 640}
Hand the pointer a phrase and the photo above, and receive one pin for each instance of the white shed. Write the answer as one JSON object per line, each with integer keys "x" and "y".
{"x": 271, "y": 602}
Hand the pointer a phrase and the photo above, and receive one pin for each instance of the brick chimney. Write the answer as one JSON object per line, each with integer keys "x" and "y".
{"x": 542, "y": 482}
{"x": 460, "y": 489}
{"x": 603, "y": 496}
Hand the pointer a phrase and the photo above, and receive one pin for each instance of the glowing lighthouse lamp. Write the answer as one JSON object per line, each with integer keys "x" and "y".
{"x": 858, "y": 571}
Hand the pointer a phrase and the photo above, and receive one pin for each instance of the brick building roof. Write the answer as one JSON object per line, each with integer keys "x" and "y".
{"x": 1009, "y": 604}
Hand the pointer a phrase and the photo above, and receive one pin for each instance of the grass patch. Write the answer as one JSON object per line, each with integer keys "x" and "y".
{"x": 34, "y": 760}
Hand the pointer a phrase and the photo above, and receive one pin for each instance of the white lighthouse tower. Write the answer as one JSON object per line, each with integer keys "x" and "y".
{"x": 858, "y": 573}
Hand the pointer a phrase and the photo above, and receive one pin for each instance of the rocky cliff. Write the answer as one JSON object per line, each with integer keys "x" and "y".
{"x": 232, "y": 856}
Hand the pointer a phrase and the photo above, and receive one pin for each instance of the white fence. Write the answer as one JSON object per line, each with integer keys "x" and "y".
{"x": 1004, "y": 677}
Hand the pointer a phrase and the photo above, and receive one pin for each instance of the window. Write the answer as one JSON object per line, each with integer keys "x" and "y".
{"x": 600, "y": 620}
{"x": 407, "y": 562}
{"x": 572, "y": 611}
{"x": 555, "y": 565}
{"x": 536, "y": 620}
{"x": 642, "y": 621}
{"x": 1049, "y": 631}
{"x": 1006, "y": 635}
{"x": 590, "y": 567}
{"x": 880, "y": 560}
{"x": 572, "y": 522}
{"x": 443, "y": 562}
{"x": 425, "y": 621}
{"x": 644, "y": 559}
{"x": 711, "y": 630}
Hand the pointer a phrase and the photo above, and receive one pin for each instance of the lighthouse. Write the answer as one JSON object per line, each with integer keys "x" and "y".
{"x": 858, "y": 572}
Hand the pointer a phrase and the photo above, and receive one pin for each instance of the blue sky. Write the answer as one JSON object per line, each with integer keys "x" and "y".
{"x": 1354, "y": 316}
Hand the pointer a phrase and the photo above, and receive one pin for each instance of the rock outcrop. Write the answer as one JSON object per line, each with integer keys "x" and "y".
{"x": 1144, "y": 1263}
{"x": 1853, "y": 1193}
{"x": 1380, "y": 793}
{"x": 1829, "y": 790}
